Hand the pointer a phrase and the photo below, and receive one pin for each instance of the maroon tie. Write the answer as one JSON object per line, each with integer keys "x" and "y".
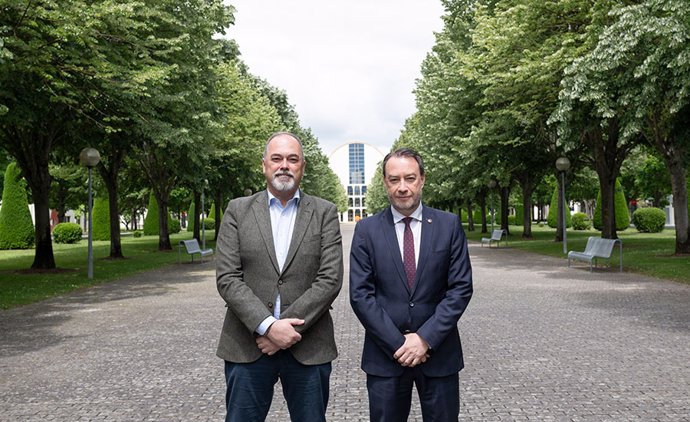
{"x": 408, "y": 252}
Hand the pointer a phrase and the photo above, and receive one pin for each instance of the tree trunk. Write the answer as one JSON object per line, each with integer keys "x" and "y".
{"x": 482, "y": 204}
{"x": 470, "y": 216}
{"x": 44, "y": 258}
{"x": 109, "y": 176}
{"x": 673, "y": 156}
{"x": 525, "y": 180}
{"x": 163, "y": 233}
{"x": 197, "y": 208}
{"x": 505, "y": 195}
{"x": 608, "y": 157}
{"x": 218, "y": 201}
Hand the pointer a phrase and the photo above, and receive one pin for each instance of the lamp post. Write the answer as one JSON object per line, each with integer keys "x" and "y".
{"x": 492, "y": 185}
{"x": 563, "y": 164}
{"x": 90, "y": 157}
{"x": 203, "y": 214}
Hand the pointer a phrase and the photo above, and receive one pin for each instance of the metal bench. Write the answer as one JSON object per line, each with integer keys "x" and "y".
{"x": 496, "y": 236}
{"x": 192, "y": 247}
{"x": 597, "y": 247}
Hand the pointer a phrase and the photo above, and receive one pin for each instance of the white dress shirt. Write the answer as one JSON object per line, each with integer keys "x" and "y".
{"x": 415, "y": 226}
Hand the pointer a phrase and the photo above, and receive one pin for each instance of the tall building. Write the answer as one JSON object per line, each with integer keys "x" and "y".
{"x": 355, "y": 164}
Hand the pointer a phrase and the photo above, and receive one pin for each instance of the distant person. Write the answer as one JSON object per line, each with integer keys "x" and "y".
{"x": 410, "y": 281}
{"x": 279, "y": 269}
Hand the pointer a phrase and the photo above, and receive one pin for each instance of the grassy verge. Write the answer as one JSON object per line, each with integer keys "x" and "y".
{"x": 19, "y": 286}
{"x": 644, "y": 253}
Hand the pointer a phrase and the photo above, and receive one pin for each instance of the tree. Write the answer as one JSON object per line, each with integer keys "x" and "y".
{"x": 621, "y": 210}
{"x": 16, "y": 227}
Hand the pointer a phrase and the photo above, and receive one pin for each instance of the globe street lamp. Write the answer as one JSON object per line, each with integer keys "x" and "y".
{"x": 90, "y": 157}
{"x": 563, "y": 164}
{"x": 492, "y": 185}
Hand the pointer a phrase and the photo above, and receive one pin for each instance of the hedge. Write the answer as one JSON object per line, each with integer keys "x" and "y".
{"x": 101, "y": 219}
{"x": 649, "y": 220}
{"x": 621, "y": 205}
{"x": 16, "y": 224}
{"x": 67, "y": 233}
{"x": 552, "y": 218}
{"x": 581, "y": 221}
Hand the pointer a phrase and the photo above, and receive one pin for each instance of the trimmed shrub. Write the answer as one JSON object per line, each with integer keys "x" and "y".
{"x": 190, "y": 217}
{"x": 552, "y": 218}
{"x": 67, "y": 233}
{"x": 621, "y": 205}
{"x": 512, "y": 221}
{"x": 151, "y": 219}
{"x": 649, "y": 220}
{"x": 209, "y": 223}
{"x": 137, "y": 233}
{"x": 16, "y": 225}
{"x": 581, "y": 221}
{"x": 174, "y": 226}
{"x": 101, "y": 219}
{"x": 212, "y": 212}
{"x": 519, "y": 215}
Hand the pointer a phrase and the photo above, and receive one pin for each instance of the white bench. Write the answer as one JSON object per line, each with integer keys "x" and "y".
{"x": 597, "y": 247}
{"x": 496, "y": 236}
{"x": 192, "y": 247}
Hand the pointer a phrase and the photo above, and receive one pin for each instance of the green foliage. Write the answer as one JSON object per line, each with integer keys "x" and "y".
{"x": 151, "y": 220}
{"x": 649, "y": 220}
{"x": 377, "y": 198}
{"x": 209, "y": 223}
{"x": 190, "y": 217}
{"x": 519, "y": 218}
{"x": 137, "y": 233}
{"x": 16, "y": 226}
{"x": 212, "y": 212}
{"x": 552, "y": 218}
{"x": 101, "y": 219}
{"x": 581, "y": 221}
{"x": 174, "y": 226}
{"x": 621, "y": 205}
{"x": 67, "y": 233}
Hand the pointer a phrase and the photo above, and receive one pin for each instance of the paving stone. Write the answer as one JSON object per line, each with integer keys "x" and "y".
{"x": 542, "y": 342}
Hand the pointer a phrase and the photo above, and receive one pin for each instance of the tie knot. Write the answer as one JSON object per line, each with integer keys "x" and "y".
{"x": 407, "y": 220}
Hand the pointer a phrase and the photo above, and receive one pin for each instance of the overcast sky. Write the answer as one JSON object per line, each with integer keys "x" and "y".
{"x": 348, "y": 67}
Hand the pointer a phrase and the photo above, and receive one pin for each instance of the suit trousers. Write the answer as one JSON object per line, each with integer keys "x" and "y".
{"x": 250, "y": 388}
{"x": 390, "y": 398}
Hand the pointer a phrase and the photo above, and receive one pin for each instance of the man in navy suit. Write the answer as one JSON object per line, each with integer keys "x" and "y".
{"x": 410, "y": 281}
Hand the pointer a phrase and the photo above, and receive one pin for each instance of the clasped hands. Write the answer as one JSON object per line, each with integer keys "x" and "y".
{"x": 413, "y": 352}
{"x": 279, "y": 336}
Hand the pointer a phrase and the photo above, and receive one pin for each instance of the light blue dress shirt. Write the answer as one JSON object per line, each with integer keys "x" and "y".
{"x": 282, "y": 225}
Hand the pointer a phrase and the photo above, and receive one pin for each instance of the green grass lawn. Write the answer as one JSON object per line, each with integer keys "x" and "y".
{"x": 19, "y": 285}
{"x": 644, "y": 253}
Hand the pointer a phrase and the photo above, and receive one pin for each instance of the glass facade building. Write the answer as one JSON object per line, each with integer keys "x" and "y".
{"x": 356, "y": 188}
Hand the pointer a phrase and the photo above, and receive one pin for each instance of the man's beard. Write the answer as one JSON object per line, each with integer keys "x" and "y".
{"x": 283, "y": 186}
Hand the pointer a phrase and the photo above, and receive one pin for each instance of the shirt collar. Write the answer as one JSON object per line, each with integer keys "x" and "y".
{"x": 272, "y": 199}
{"x": 416, "y": 214}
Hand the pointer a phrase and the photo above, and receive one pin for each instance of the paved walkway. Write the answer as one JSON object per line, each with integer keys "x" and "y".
{"x": 542, "y": 342}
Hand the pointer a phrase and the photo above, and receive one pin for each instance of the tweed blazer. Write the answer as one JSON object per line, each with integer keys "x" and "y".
{"x": 249, "y": 279}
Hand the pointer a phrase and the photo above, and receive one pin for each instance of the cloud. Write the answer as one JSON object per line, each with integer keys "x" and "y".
{"x": 349, "y": 68}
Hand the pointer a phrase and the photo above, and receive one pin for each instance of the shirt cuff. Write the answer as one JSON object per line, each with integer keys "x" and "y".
{"x": 263, "y": 327}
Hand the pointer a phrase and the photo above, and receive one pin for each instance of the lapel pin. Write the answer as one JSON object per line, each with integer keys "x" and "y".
{"x": 428, "y": 220}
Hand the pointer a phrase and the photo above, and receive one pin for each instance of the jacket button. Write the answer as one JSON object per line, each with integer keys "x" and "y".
{"x": 280, "y": 282}
{"x": 270, "y": 304}
{"x": 411, "y": 304}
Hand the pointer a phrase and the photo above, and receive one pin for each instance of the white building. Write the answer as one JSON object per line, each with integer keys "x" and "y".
{"x": 355, "y": 163}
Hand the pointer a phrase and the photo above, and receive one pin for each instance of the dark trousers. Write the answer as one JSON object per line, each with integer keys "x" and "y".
{"x": 390, "y": 398}
{"x": 250, "y": 388}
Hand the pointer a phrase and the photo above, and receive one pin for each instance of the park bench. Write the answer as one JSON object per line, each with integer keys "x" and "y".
{"x": 597, "y": 247}
{"x": 496, "y": 236}
{"x": 192, "y": 247}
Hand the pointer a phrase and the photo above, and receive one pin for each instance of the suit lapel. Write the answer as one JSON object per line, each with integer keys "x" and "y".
{"x": 305, "y": 209}
{"x": 425, "y": 244}
{"x": 393, "y": 246}
{"x": 263, "y": 222}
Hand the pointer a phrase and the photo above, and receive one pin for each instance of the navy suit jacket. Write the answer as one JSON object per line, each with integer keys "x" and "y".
{"x": 388, "y": 308}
